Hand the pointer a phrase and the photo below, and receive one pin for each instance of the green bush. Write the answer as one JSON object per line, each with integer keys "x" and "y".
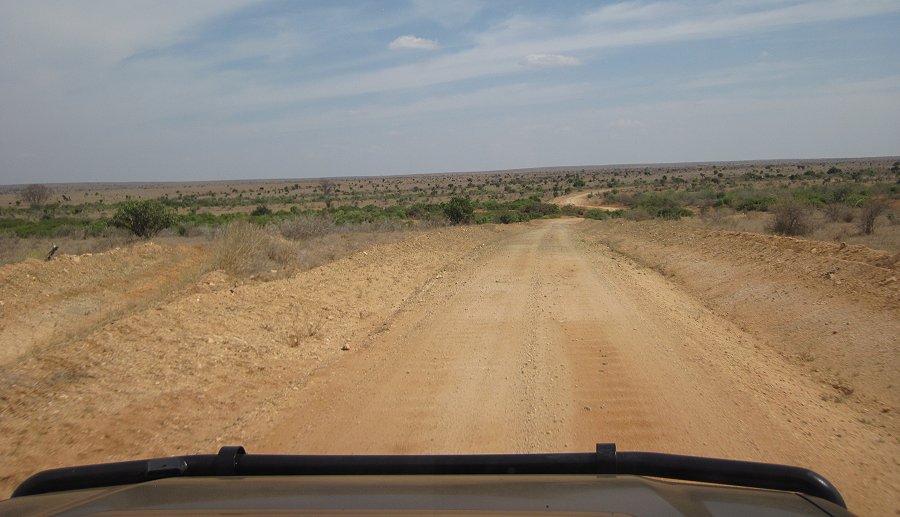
{"x": 508, "y": 217}
{"x": 208, "y": 219}
{"x": 261, "y": 210}
{"x": 572, "y": 211}
{"x": 459, "y": 210}
{"x": 598, "y": 214}
{"x": 661, "y": 205}
{"x": 143, "y": 218}
{"x": 60, "y": 226}
{"x": 752, "y": 201}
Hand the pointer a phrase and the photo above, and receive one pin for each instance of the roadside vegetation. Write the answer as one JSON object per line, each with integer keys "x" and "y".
{"x": 790, "y": 198}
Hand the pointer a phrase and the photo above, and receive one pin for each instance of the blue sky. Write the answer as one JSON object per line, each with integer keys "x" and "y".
{"x": 120, "y": 90}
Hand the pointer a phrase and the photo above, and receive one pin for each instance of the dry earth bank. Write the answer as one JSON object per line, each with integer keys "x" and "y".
{"x": 49, "y": 303}
{"x": 831, "y": 307}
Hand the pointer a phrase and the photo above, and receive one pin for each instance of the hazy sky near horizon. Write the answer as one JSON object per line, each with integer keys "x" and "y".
{"x": 151, "y": 90}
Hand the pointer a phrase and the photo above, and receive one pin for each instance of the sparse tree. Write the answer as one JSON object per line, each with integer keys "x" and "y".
{"x": 870, "y": 213}
{"x": 838, "y": 212}
{"x": 36, "y": 195}
{"x": 792, "y": 217}
{"x": 327, "y": 187}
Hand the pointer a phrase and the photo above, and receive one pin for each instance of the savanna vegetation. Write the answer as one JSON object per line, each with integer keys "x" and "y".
{"x": 795, "y": 198}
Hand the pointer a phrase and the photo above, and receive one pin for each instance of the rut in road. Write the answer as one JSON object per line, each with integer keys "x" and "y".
{"x": 543, "y": 344}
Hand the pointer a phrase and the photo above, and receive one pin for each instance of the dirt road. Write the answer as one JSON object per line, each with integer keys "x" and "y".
{"x": 586, "y": 200}
{"x": 536, "y": 337}
{"x": 543, "y": 344}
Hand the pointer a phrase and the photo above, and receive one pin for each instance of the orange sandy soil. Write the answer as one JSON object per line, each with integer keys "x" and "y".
{"x": 547, "y": 336}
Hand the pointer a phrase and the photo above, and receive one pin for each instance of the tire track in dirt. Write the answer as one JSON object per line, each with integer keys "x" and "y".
{"x": 542, "y": 343}
{"x": 412, "y": 375}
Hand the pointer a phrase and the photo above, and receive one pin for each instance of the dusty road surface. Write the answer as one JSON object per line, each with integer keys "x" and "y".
{"x": 537, "y": 337}
{"x": 545, "y": 344}
{"x": 590, "y": 199}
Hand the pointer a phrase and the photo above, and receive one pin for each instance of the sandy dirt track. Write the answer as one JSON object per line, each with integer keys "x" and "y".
{"x": 581, "y": 199}
{"x": 542, "y": 344}
{"x": 529, "y": 338}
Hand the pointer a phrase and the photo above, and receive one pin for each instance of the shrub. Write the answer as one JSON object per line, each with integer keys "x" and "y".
{"x": 572, "y": 211}
{"x": 508, "y": 217}
{"x": 870, "y": 212}
{"x": 753, "y": 201}
{"x": 261, "y": 210}
{"x": 534, "y": 208}
{"x": 638, "y": 214}
{"x": 835, "y": 212}
{"x": 306, "y": 227}
{"x": 459, "y": 210}
{"x": 660, "y": 205}
{"x": 143, "y": 218}
{"x": 596, "y": 213}
{"x": 792, "y": 217}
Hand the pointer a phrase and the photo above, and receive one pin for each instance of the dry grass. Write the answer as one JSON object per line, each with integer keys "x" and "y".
{"x": 306, "y": 227}
{"x": 728, "y": 219}
{"x": 14, "y": 249}
{"x": 306, "y": 330}
{"x": 886, "y": 236}
{"x": 314, "y": 226}
{"x": 242, "y": 249}
{"x": 248, "y": 250}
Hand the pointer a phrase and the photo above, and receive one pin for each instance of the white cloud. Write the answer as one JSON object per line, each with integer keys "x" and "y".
{"x": 545, "y": 60}
{"x": 413, "y": 42}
